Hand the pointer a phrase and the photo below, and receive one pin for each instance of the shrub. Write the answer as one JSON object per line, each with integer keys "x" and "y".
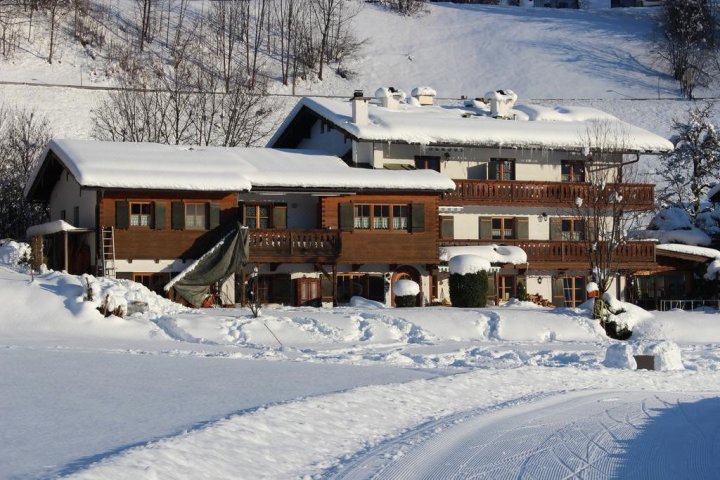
{"x": 469, "y": 290}
{"x": 405, "y": 301}
{"x": 613, "y": 330}
{"x": 522, "y": 292}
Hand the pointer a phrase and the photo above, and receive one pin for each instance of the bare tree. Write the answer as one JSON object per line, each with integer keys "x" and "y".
{"x": 56, "y": 9}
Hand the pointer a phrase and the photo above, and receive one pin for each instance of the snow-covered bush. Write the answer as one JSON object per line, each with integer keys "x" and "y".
{"x": 406, "y": 292}
{"x": 468, "y": 281}
{"x": 13, "y": 253}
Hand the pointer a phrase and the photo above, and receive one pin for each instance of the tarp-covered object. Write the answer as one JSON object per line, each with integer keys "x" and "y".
{"x": 227, "y": 257}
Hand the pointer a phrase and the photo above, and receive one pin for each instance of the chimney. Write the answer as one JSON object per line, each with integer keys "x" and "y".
{"x": 424, "y": 95}
{"x": 390, "y": 97}
{"x": 501, "y": 102}
{"x": 359, "y": 108}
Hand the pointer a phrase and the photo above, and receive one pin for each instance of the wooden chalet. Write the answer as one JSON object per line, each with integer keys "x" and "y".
{"x": 320, "y": 231}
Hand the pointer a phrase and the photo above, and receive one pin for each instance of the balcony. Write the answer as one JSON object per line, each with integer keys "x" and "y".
{"x": 636, "y": 196}
{"x": 553, "y": 254}
{"x": 276, "y": 246}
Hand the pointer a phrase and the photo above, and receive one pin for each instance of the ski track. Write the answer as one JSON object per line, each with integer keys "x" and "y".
{"x": 581, "y": 435}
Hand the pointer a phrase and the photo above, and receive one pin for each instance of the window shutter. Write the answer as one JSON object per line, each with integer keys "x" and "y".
{"x": 347, "y": 216}
{"x": 556, "y": 229}
{"x": 558, "y": 296}
{"x": 214, "y": 217}
{"x": 279, "y": 215}
{"x": 178, "y": 216}
{"x": 492, "y": 170}
{"x": 122, "y": 215}
{"x": 418, "y": 217}
{"x": 447, "y": 227}
{"x": 159, "y": 216}
{"x": 523, "y": 228}
{"x": 485, "y": 228}
{"x": 587, "y": 233}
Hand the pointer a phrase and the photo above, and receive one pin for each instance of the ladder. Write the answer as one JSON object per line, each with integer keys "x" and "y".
{"x": 106, "y": 266}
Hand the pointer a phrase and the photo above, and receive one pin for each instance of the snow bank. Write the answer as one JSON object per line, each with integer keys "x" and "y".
{"x": 127, "y": 293}
{"x": 464, "y": 264}
{"x": 12, "y": 252}
{"x": 362, "y": 302}
{"x": 405, "y": 287}
{"x": 620, "y": 355}
{"x": 667, "y": 355}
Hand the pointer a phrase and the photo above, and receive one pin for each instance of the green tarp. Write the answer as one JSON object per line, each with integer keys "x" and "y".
{"x": 226, "y": 258}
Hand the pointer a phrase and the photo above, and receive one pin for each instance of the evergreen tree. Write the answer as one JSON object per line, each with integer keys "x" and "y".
{"x": 694, "y": 166}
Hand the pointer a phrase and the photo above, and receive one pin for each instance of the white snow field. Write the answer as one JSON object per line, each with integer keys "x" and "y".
{"x": 353, "y": 392}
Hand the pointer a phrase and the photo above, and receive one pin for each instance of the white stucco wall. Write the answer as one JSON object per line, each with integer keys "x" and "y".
{"x": 331, "y": 140}
{"x": 66, "y": 195}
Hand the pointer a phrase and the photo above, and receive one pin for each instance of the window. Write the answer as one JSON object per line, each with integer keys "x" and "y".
{"x": 502, "y": 169}
{"x": 573, "y": 291}
{"x": 447, "y": 228}
{"x": 381, "y": 217}
{"x": 573, "y": 171}
{"x": 427, "y": 163}
{"x": 76, "y": 216}
{"x": 258, "y": 215}
{"x": 360, "y": 284}
{"x": 195, "y": 216}
{"x": 503, "y": 228}
{"x": 140, "y": 214}
{"x": 572, "y": 229}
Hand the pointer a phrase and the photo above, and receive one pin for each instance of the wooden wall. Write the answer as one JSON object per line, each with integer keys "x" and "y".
{"x": 376, "y": 246}
{"x": 148, "y": 243}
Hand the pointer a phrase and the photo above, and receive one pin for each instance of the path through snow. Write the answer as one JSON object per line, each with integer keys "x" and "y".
{"x": 581, "y": 435}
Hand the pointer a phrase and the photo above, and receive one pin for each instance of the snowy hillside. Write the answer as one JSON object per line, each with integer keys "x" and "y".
{"x": 571, "y": 55}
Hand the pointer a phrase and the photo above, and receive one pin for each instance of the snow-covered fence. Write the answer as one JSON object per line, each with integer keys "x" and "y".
{"x": 691, "y": 305}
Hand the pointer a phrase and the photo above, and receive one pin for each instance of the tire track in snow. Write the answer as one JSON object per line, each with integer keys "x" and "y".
{"x": 580, "y": 435}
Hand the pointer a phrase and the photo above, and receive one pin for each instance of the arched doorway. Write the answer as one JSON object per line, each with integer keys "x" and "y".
{"x": 405, "y": 272}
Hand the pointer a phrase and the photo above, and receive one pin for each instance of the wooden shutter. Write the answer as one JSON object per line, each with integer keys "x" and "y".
{"x": 214, "y": 217}
{"x": 279, "y": 215}
{"x": 492, "y": 170}
{"x": 556, "y": 229}
{"x": 418, "y": 217}
{"x": 347, "y": 216}
{"x": 558, "y": 296}
{"x": 178, "y": 216}
{"x": 523, "y": 228}
{"x": 122, "y": 214}
{"x": 159, "y": 213}
{"x": 485, "y": 228}
{"x": 447, "y": 227}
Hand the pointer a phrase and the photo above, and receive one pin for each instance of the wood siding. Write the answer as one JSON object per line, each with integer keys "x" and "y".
{"x": 149, "y": 243}
{"x": 386, "y": 246}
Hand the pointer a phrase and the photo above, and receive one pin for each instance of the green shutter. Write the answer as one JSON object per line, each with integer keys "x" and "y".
{"x": 214, "y": 216}
{"x": 159, "y": 222}
{"x": 418, "y": 217}
{"x": 279, "y": 215}
{"x": 485, "y": 228}
{"x": 178, "y": 216}
{"x": 122, "y": 215}
{"x": 492, "y": 170}
{"x": 523, "y": 228}
{"x": 347, "y": 216}
{"x": 447, "y": 227}
{"x": 556, "y": 228}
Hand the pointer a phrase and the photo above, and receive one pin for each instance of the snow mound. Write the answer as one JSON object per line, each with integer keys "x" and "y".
{"x": 362, "y": 302}
{"x": 417, "y": 91}
{"x": 126, "y": 293}
{"x": 464, "y": 264}
{"x": 405, "y": 288}
{"x": 667, "y": 355}
{"x": 11, "y": 252}
{"x": 620, "y": 355}
{"x": 492, "y": 253}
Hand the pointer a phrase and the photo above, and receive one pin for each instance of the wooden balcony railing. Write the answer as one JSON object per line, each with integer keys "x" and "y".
{"x": 560, "y": 253}
{"x": 635, "y": 196}
{"x": 286, "y": 245}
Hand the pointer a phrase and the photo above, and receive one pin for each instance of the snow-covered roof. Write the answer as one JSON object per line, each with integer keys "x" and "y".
{"x": 534, "y": 126}
{"x": 709, "y": 253}
{"x": 492, "y": 253}
{"x": 49, "y": 228}
{"x": 173, "y": 167}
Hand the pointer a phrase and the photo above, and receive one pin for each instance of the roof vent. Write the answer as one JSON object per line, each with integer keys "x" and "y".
{"x": 359, "y": 108}
{"x": 390, "y": 97}
{"x": 424, "y": 95}
{"x": 501, "y": 103}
